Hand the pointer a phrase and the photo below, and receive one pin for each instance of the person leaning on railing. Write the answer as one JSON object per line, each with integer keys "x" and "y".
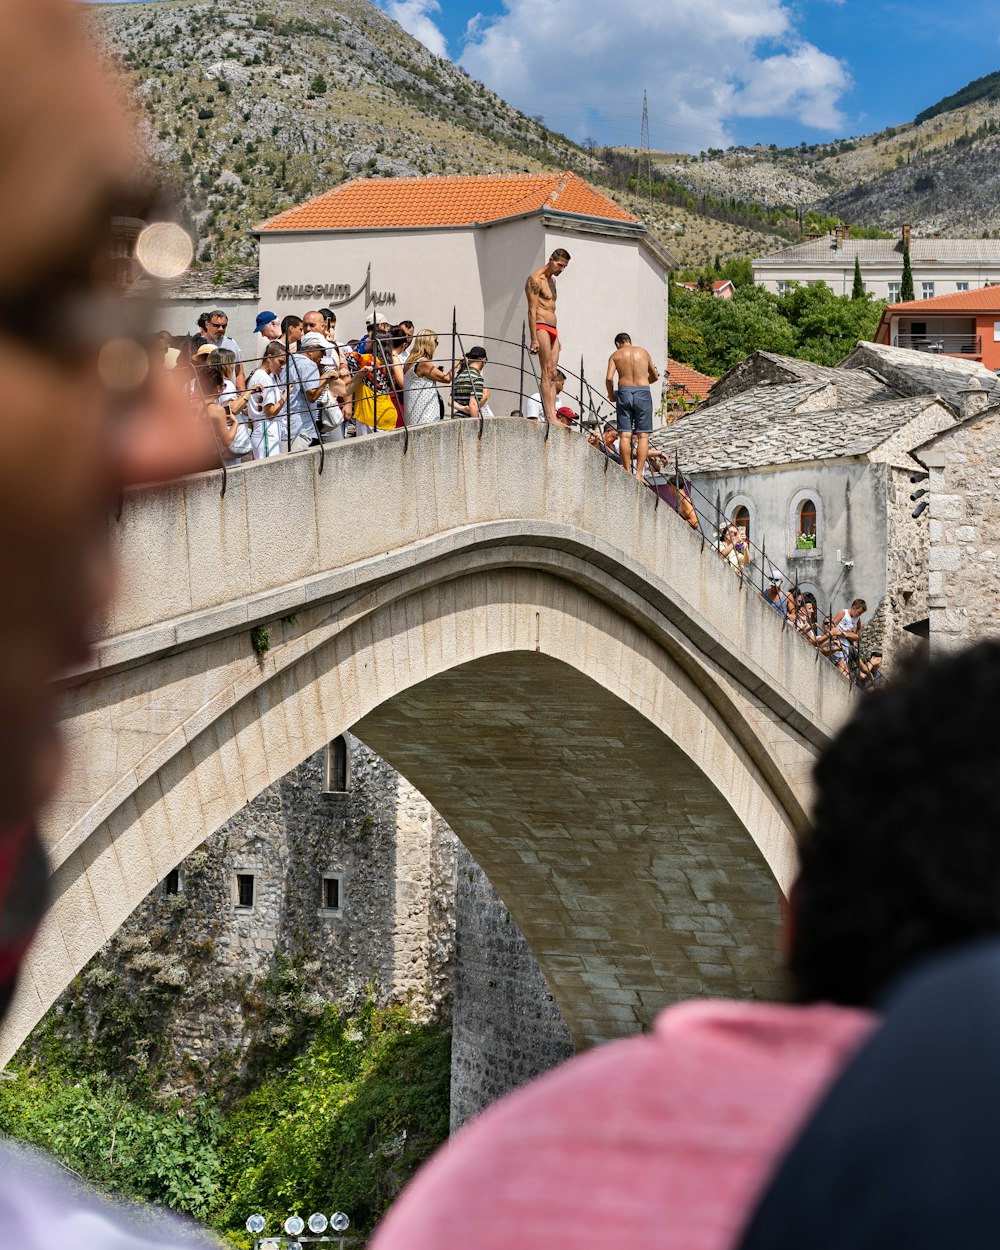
{"x": 733, "y": 548}
{"x": 422, "y": 402}
{"x": 470, "y": 394}
{"x": 377, "y": 379}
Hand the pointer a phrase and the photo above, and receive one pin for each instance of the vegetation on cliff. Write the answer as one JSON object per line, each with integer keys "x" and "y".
{"x": 341, "y": 1124}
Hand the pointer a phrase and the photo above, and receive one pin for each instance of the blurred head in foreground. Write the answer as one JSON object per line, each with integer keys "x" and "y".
{"x": 72, "y": 434}
{"x": 903, "y": 859}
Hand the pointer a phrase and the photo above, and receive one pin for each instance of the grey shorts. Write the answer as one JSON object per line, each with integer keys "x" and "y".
{"x": 634, "y": 409}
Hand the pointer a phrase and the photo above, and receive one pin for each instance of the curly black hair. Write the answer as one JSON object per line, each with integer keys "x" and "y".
{"x": 903, "y": 859}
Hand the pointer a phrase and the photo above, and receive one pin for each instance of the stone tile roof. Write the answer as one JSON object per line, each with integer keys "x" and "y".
{"x": 398, "y": 203}
{"x": 853, "y": 386}
{"x": 696, "y": 384}
{"x": 910, "y": 372}
{"x": 886, "y": 251}
{"x": 773, "y": 425}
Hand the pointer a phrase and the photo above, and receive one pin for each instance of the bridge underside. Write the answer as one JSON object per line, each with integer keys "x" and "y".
{"x": 630, "y": 876}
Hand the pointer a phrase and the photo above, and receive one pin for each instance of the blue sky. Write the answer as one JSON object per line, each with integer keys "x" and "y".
{"x": 716, "y": 71}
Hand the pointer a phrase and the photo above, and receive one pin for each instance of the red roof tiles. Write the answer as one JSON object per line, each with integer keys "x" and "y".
{"x": 398, "y": 203}
{"x": 983, "y": 299}
{"x": 696, "y": 384}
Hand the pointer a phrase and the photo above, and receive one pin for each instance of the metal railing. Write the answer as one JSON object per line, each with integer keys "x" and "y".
{"x": 970, "y": 344}
{"x": 754, "y": 569}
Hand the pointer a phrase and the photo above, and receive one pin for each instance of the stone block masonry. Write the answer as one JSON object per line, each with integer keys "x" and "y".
{"x": 963, "y": 590}
{"x": 507, "y": 1027}
{"x": 212, "y": 974}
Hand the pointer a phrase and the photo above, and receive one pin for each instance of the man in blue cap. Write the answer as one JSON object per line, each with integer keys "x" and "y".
{"x": 268, "y": 326}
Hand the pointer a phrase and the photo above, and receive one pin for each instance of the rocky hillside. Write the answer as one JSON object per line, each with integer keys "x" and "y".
{"x": 940, "y": 174}
{"x": 254, "y": 106}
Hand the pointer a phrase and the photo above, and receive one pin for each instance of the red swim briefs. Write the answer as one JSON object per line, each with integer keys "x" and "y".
{"x": 551, "y": 331}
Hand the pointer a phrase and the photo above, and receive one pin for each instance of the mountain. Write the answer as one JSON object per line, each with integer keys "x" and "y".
{"x": 941, "y": 174}
{"x": 985, "y": 88}
{"x": 253, "y": 106}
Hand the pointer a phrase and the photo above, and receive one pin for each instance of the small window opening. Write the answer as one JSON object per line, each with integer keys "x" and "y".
{"x": 741, "y": 517}
{"x": 244, "y": 889}
{"x": 331, "y": 893}
{"x": 807, "y": 521}
{"x": 338, "y": 766}
{"x": 172, "y": 882}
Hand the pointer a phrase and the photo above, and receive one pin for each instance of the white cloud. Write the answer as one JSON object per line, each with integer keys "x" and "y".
{"x": 417, "y": 18}
{"x": 583, "y": 65}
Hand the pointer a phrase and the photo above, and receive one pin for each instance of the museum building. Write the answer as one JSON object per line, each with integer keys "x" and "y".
{"x": 426, "y": 249}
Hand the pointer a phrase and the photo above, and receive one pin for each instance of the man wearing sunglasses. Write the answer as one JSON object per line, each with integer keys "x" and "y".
{"x": 213, "y": 326}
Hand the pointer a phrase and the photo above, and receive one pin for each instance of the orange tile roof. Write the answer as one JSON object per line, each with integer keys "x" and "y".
{"x": 387, "y": 203}
{"x": 696, "y": 384}
{"x": 983, "y": 299}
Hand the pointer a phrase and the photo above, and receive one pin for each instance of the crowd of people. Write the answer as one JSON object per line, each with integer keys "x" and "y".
{"x": 835, "y": 636}
{"x": 308, "y": 386}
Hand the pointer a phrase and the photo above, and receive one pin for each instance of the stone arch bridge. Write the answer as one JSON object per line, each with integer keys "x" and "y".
{"x": 619, "y": 730}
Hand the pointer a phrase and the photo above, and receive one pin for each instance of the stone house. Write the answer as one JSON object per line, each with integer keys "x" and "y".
{"x": 817, "y": 463}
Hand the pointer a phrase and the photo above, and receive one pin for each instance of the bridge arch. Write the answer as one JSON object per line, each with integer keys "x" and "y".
{"x": 435, "y": 653}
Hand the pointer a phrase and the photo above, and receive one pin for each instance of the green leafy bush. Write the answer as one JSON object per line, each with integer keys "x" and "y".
{"x": 160, "y": 1154}
{"x": 347, "y": 1125}
{"x": 344, "y": 1122}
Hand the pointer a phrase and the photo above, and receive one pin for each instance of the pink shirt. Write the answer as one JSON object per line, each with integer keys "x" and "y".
{"x": 660, "y": 1142}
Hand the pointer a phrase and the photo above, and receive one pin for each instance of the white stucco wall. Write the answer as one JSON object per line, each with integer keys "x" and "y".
{"x": 507, "y": 254}
{"x": 612, "y": 284}
{"x": 851, "y": 524}
{"x": 428, "y": 271}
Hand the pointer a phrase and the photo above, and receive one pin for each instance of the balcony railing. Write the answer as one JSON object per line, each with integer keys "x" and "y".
{"x": 942, "y": 344}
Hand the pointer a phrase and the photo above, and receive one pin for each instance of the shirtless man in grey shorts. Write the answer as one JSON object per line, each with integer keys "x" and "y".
{"x": 633, "y": 400}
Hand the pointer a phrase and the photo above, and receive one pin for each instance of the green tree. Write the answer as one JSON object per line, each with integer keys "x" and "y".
{"x": 826, "y": 326}
{"x": 858, "y": 290}
{"x": 906, "y": 285}
{"x": 712, "y": 335}
{"x": 318, "y": 85}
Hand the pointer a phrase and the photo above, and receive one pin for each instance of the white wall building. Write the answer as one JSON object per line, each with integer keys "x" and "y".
{"x": 419, "y": 248}
{"x": 940, "y": 266}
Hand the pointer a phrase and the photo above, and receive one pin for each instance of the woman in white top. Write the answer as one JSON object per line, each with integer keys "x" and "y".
{"x": 421, "y": 402}
{"x": 267, "y": 403}
{"x": 235, "y": 405}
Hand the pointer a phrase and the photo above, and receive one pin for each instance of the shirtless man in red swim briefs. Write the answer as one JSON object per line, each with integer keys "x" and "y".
{"x": 541, "y": 292}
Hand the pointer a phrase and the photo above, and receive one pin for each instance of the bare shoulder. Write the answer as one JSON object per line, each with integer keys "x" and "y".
{"x": 534, "y": 283}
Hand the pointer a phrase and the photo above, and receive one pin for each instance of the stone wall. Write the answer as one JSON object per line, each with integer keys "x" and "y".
{"x": 905, "y": 602}
{"x": 195, "y": 983}
{"x": 506, "y": 1027}
{"x": 219, "y": 978}
{"x": 964, "y": 532}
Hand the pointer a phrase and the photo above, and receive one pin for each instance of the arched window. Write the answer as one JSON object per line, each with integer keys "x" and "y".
{"x": 741, "y": 517}
{"x": 807, "y": 519}
{"x": 337, "y": 773}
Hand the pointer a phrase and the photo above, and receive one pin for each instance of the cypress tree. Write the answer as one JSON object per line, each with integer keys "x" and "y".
{"x": 906, "y": 285}
{"x": 858, "y": 290}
